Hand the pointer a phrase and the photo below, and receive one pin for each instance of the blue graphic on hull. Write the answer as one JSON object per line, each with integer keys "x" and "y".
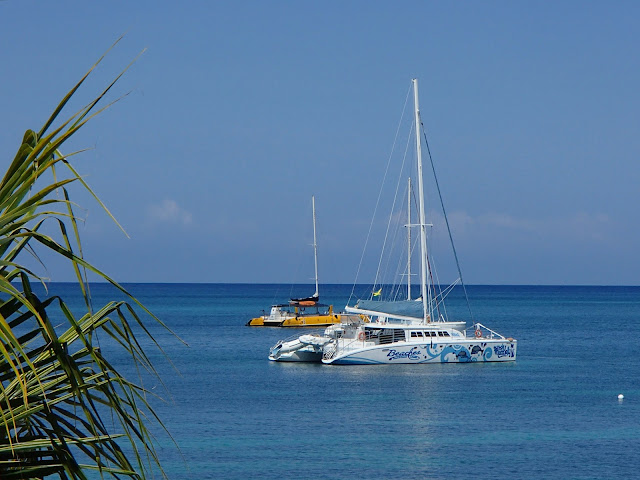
{"x": 504, "y": 351}
{"x": 413, "y": 354}
{"x": 458, "y": 353}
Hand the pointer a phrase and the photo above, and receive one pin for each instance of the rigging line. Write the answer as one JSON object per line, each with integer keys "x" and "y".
{"x": 393, "y": 206}
{"x": 416, "y": 208}
{"x": 385, "y": 274}
{"x": 416, "y": 242}
{"x": 402, "y": 276}
{"x": 446, "y": 219}
{"x": 275, "y": 294}
{"x": 297, "y": 271}
{"x": 436, "y": 306}
{"x": 404, "y": 260}
{"x": 401, "y": 259}
{"x": 446, "y": 292}
{"x": 406, "y": 153}
{"x": 442, "y": 293}
{"x": 413, "y": 197}
{"x": 435, "y": 279}
{"x": 435, "y": 286}
{"x": 379, "y": 195}
{"x": 380, "y": 274}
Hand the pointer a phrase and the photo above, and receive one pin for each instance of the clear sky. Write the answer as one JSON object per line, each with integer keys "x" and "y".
{"x": 241, "y": 110}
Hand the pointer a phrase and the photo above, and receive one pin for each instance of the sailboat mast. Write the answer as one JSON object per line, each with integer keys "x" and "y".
{"x": 426, "y": 294}
{"x": 409, "y": 240}
{"x": 315, "y": 245}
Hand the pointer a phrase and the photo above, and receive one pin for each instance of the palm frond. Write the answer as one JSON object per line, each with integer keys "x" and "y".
{"x": 57, "y": 386}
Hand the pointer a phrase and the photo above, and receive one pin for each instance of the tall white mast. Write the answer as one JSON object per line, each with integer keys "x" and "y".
{"x": 426, "y": 300}
{"x": 315, "y": 245}
{"x": 409, "y": 240}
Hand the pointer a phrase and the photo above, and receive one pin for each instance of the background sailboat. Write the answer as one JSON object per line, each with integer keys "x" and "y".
{"x": 301, "y": 312}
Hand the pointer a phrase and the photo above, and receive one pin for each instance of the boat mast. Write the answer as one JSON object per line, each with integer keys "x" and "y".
{"x": 315, "y": 245}
{"x": 409, "y": 241}
{"x": 426, "y": 294}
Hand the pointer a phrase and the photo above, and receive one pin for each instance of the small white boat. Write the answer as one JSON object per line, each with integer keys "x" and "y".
{"x": 304, "y": 348}
{"x": 403, "y": 331}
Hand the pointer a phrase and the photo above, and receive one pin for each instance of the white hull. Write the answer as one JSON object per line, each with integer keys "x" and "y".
{"x": 306, "y": 355}
{"x": 305, "y": 348}
{"x": 453, "y": 351}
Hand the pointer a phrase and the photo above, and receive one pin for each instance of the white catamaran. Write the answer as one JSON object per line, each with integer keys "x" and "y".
{"x": 404, "y": 331}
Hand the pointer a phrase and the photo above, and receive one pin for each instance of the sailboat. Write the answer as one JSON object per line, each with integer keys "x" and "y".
{"x": 301, "y": 312}
{"x": 404, "y": 331}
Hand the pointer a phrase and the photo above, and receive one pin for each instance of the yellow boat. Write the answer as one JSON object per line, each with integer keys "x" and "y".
{"x": 302, "y": 312}
{"x": 299, "y": 314}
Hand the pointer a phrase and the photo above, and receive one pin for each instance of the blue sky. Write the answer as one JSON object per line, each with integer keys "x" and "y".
{"x": 240, "y": 111}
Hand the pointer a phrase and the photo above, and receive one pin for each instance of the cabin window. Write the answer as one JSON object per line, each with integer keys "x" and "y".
{"x": 446, "y": 334}
{"x": 372, "y": 334}
{"x": 389, "y": 335}
{"x": 386, "y": 336}
{"x": 416, "y": 334}
{"x": 440, "y": 334}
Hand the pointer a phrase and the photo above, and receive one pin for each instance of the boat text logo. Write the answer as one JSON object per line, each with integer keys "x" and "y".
{"x": 413, "y": 354}
{"x": 504, "y": 350}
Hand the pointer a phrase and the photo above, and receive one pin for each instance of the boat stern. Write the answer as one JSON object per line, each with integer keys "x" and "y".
{"x": 256, "y": 322}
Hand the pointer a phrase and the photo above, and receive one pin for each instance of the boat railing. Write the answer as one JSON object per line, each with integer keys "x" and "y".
{"x": 329, "y": 351}
{"x": 481, "y": 331}
{"x": 344, "y": 344}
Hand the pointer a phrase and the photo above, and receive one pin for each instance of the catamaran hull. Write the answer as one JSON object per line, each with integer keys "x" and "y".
{"x": 306, "y": 348}
{"x": 301, "y": 321}
{"x": 306, "y": 355}
{"x": 462, "y": 352}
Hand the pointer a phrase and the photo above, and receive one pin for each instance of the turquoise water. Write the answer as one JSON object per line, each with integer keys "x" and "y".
{"x": 554, "y": 413}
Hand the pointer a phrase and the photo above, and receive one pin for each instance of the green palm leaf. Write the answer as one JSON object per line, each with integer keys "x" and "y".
{"x": 56, "y": 387}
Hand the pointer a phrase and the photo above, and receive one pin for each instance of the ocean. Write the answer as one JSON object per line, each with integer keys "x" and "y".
{"x": 554, "y": 413}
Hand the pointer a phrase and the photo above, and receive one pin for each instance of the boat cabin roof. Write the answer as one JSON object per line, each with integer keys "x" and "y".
{"x": 422, "y": 327}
